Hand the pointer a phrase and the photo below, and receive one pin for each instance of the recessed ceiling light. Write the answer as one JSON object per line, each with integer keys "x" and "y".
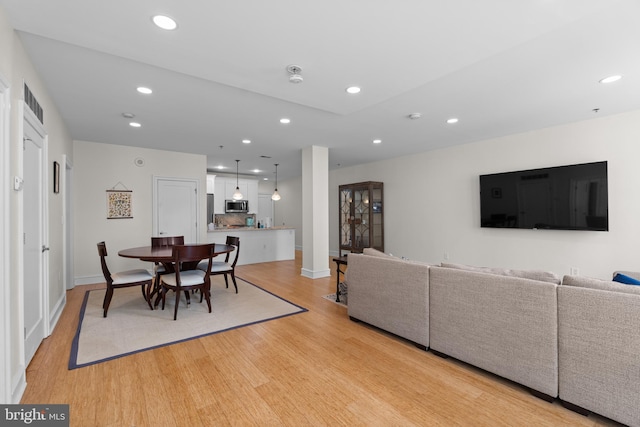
{"x": 256, "y": 171}
{"x": 452, "y": 120}
{"x": 353, "y": 90}
{"x": 377, "y": 141}
{"x": 220, "y": 167}
{"x": 165, "y": 22}
{"x": 285, "y": 121}
{"x": 610, "y": 79}
{"x": 135, "y": 124}
{"x": 246, "y": 141}
{"x": 144, "y": 90}
{"x": 265, "y": 179}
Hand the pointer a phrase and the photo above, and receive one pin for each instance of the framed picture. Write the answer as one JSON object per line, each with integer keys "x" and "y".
{"x": 56, "y": 177}
{"x": 119, "y": 204}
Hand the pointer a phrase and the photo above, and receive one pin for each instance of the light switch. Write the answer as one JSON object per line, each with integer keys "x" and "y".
{"x": 17, "y": 183}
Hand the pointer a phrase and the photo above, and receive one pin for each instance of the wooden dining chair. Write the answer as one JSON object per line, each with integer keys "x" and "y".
{"x": 225, "y": 267}
{"x": 187, "y": 280}
{"x": 159, "y": 269}
{"x": 138, "y": 277}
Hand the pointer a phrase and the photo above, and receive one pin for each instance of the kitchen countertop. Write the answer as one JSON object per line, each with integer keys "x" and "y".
{"x": 240, "y": 228}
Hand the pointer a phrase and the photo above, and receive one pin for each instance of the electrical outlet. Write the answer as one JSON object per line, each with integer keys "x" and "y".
{"x": 446, "y": 256}
{"x": 574, "y": 271}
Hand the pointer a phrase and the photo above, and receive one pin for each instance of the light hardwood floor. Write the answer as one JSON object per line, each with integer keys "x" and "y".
{"x": 316, "y": 368}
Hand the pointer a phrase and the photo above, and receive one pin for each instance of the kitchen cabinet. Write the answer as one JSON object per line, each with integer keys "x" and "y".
{"x": 211, "y": 184}
{"x": 226, "y": 186}
{"x": 361, "y": 216}
{"x": 218, "y": 199}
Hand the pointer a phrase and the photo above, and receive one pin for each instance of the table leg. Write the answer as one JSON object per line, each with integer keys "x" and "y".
{"x": 338, "y": 282}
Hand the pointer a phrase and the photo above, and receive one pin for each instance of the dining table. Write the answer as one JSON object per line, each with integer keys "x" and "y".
{"x": 164, "y": 256}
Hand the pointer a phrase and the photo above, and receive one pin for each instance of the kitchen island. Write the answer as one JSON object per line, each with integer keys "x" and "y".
{"x": 259, "y": 244}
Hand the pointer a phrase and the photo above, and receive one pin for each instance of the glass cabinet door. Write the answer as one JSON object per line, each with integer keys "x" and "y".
{"x": 361, "y": 219}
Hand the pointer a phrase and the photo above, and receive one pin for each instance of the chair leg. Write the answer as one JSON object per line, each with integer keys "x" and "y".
{"x": 146, "y": 289}
{"x": 107, "y": 300}
{"x": 207, "y": 296}
{"x": 226, "y": 281}
{"x": 175, "y": 310}
{"x": 233, "y": 277}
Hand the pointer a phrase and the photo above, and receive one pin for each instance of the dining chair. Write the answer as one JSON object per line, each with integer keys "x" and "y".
{"x": 188, "y": 279}
{"x": 138, "y": 277}
{"x": 165, "y": 241}
{"x": 225, "y": 267}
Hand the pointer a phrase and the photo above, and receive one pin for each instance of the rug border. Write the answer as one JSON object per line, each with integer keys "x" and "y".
{"x": 74, "y": 344}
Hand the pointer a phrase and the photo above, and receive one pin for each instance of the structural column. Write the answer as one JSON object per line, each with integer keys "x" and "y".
{"x": 315, "y": 212}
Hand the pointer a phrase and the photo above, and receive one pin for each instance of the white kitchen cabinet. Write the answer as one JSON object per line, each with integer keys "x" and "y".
{"x": 218, "y": 198}
{"x": 224, "y": 187}
{"x": 211, "y": 184}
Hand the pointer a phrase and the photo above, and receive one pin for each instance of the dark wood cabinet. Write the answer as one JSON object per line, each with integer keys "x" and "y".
{"x": 361, "y": 220}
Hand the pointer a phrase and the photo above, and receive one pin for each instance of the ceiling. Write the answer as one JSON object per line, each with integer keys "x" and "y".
{"x": 499, "y": 66}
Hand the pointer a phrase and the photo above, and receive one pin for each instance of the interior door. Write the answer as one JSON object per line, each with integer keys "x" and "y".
{"x": 176, "y": 208}
{"x": 34, "y": 249}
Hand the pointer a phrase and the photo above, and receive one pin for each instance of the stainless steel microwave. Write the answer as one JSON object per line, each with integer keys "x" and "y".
{"x": 236, "y": 206}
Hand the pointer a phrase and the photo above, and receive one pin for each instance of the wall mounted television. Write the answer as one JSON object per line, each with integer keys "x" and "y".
{"x": 571, "y": 197}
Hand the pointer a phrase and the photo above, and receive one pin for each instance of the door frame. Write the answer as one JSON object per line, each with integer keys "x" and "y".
{"x": 67, "y": 223}
{"x": 6, "y": 389}
{"x": 26, "y": 115}
{"x": 154, "y": 222}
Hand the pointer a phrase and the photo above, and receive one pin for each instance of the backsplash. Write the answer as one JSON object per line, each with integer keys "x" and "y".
{"x": 233, "y": 219}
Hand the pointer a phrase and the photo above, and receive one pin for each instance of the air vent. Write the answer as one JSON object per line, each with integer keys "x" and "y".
{"x": 265, "y": 157}
{"x": 33, "y": 104}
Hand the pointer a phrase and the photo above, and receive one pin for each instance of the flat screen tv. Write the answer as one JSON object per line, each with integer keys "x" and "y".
{"x": 571, "y": 197}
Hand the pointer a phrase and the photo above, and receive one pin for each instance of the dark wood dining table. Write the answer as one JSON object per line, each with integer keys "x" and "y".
{"x": 164, "y": 256}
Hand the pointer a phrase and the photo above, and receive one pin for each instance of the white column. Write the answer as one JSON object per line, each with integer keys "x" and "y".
{"x": 315, "y": 212}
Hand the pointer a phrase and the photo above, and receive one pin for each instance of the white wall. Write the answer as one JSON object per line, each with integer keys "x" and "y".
{"x": 99, "y": 167}
{"x": 16, "y": 67}
{"x": 432, "y": 204}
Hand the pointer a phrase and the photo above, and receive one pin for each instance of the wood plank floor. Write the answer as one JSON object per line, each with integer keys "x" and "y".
{"x": 316, "y": 368}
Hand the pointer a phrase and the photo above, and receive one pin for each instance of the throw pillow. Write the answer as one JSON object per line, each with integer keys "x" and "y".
{"x": 627, "y": 280}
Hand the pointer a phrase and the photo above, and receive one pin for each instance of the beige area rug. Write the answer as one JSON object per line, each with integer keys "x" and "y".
{"x": 131, "y": 327}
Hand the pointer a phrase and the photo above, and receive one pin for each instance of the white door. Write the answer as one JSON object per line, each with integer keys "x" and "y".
{"x": 35, "y": 249}
{"x": 176, "y": 208}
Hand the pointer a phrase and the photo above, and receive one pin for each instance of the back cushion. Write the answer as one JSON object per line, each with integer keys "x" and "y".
{"x": 375, "y": 252}
{"x": 539, "y": 275}
{"x": 603, "y": 285}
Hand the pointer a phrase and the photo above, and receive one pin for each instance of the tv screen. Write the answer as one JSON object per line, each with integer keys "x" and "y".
{"x": 572, "y": 197}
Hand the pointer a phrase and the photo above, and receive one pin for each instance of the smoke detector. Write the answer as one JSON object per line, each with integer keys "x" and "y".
{"x": 414, "y": 116}
{"x": 294, "y": 74}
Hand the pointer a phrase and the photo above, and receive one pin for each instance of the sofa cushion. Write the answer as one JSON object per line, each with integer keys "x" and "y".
{"x": 375, "y": 252}
{"x": 539, "y": 275}
{"x": 627, "y": 280}
{"x": 599, "y": 284}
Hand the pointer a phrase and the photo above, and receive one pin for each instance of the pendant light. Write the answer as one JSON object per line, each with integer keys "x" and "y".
{"x": 276, "y": 196}
{"x": 237, "y": 195}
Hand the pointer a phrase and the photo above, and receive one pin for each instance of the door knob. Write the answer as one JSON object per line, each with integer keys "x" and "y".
{"x": 45, "y": 248}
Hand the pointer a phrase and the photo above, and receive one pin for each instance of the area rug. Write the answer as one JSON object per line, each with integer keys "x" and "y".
{"x": 131, "y": 327}
{"x": 332, "y": 298}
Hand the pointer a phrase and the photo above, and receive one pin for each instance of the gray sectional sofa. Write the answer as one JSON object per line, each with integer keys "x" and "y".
{"x": 576, "y": 339}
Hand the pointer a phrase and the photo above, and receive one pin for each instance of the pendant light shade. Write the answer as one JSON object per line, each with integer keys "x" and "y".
{"x": 276, "y": 196}
{"x": 237, "y": 195}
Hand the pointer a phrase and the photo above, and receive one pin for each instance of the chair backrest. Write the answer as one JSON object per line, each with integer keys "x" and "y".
{"x": 167, "y": 241}
{"x": 192, "y": 253}
{"x": 235, "y": 241}
{"x": 102, "y": 251}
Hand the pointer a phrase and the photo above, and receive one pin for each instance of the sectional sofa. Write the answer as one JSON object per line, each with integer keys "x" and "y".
{"x": 575, "y": 339}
